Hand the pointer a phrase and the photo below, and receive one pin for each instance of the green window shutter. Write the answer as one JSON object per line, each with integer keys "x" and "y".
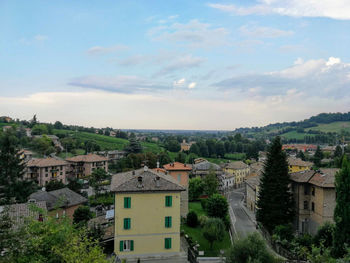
{"x": 168, "y": 221}
{"x": 127, "y": 223}
{"x": 131, "y": 245}
{"x": 121, "y": 246}
{"x": 167, "y": 243}
{"x": 168, "y": 201}
{"x": 127, "y": 202}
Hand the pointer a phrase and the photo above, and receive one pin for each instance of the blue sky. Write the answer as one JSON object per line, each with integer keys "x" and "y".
{"x": 174, "y": 64}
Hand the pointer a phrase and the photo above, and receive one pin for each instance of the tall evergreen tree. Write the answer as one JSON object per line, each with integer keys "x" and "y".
{"x": 12, "y": 171}
{"x": 276, "y": 206}
{"x": 318, "y": 156}
{"x": 342, "y": 210}
{"x": 301, "y": 155}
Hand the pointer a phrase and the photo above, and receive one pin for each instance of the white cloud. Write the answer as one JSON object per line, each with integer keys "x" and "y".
{"x": 179, "y": 83}
{"x": 181, "y": 63}
{"x": 192, "y": 85}
{"x": 119, "y": 84}
{"x": 318, "y": 78}
{"x": 194, "y": 34}
{"x": 264, "y": 32}
{"x": 33, "y": 40}
{"x": 99, "y": 50}
{"x": 335, "y": 9}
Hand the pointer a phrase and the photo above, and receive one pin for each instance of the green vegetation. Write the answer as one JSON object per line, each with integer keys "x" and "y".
{"x": 337, "y": 127}
{"x": 196, "y": 234}
{"x": 235, "y": 156}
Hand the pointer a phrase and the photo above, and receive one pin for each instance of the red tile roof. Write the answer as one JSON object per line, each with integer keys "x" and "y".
{"x": 46, "y": 162}
{"x": 176, "y": 166}
{"x": 89, "y": 158}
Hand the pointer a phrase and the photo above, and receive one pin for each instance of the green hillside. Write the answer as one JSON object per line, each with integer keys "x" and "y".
{"x": 337, "y": 127}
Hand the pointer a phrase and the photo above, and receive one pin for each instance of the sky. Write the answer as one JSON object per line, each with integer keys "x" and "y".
{"x": 203, "y": 65}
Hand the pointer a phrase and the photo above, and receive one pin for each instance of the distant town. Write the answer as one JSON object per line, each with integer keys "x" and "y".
{"x": 155, "y": 196}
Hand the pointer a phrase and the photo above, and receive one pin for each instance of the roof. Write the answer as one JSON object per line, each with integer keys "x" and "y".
{"x": 45, "y": 162}
{"x": 302, "y": 177}
{"x": 176, "y": 166}
{"x": 151, "y": 181}
{"x": 62, "y": 198}
{"x": 298, "y": 162}
{"x": 256, "y": 168}
{"x": 89, "y": 158}
{"x": 324, "y": 178}
{"x": 253, "y": 181}
{"x": 159, "y": 170}
{"x": 236, "y": 165}
{"x": 205, "y": 165}
{"x": 18, "y": 212}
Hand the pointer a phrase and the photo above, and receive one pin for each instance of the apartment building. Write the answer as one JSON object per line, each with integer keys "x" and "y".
{"x": 297, "y": 165}
{"x": 239, "y": 169}
{"x": 44, "y": 170}
{"x": 84, "y": 165}
{"x": 147, "y": 216}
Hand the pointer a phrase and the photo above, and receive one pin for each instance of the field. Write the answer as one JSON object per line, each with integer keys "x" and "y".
{"x": 235, "y": 156}
{"x": 295, "y": 135}
{"x": 337, "y": 126}
{"x": 197, "y": 235}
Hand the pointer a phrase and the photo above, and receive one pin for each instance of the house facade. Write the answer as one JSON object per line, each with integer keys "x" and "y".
{"x": 314, "y": 195}
{"x": 45, "y": 170}
{"x": 147, "y": 216}
{"x": 239, "y": 170}
{"x": 84, "y": 165}
{"x": 180, "y": 172}
{"x": 297, "y": 165}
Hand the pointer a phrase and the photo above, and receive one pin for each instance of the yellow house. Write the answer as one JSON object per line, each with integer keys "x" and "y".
{"x": 239, "y": 169}
{"x": 298, "y": 165}
{"x": 147, "y": 216}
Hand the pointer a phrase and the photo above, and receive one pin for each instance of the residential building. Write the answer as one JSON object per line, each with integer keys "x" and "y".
{"x": 61, "y": 202}
{"x": 185, "y": 146}
{"x": 26, "y": 155}
{"x": 112, "y": 155}
{"x": 147, "y": 216}
{"x": 202, "y": 169}
{"x": 252, "y": 183}
{"x": 19, "y": 212}
{"x": 314, "y": 195}
{"x": 84, "y": 165}
{"x": 239, "y": 170}
{"x": 227, "y": 181}
{"x": 44, "y": 170}
{"x": 180, "y": 172}
{"x": 297, "y": 165}
{"x": 299, "y": 147}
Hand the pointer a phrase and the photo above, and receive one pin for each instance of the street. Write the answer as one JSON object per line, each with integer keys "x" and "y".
{"x": 243, "y": 225}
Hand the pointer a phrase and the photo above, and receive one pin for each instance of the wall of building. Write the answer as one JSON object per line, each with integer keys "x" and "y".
{"x": 148, "y": 231}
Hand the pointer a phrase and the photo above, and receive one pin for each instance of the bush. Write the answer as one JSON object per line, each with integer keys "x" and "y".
{"x": 213, "y": 230}
{"x": 204, "y": 203}
{"x": 202, "y": 220}
{"x": 284, "y": 232}
{"x": 217, "y": 206}
{"x": 324, "y": 235}
{"x": 192, "y": 219}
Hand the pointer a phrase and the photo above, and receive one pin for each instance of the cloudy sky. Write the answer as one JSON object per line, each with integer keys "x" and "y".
{"x": 174, "y": 64}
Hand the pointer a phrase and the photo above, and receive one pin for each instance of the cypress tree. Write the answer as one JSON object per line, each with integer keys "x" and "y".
{"x": 275, "y": 205}
{"x": 318, "y": 156}
{"x": 12, "y": 171}
{"x": 342, "y": 210}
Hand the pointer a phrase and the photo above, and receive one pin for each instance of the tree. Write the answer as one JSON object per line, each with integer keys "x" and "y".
{"x": 338, "y": 153}
{"x": 324, "y": 235}
{"x": 12, "y": 184}
{"x": 276, "y": 206}
{"x": 181, "y": 157}
{"x": 252, "y": 152}
{"x": 251, "y": 249}
{"x": 172, "y": 145}
{"x": 58, "y": 125}
{"x": 192, "y": 219}
{"x": 342, "y": 211}
{"x": 195, "y": 149}
{"x": 220, "y": 149}
{"x": 318, "y": 156}
{"x": 96, "y": 178}
{"x": 40, "y": 129}
{"x": 54, "y": 185}
{"x": 74, "y": 185}
{"x": 195, "y": 188}
{"x": 163, "y": 158}
{"x": 43, "y": 145}
{"x": 301, "y": 155}
{"x": 82, "y": 215}
{"x": 134, "y": 146}
{"x": 55, "y": 241}
{"x": 217, "y": 206}
{"x": 203, "y": 149}
{"x": 210, "y": 183}
{"x": 213, "y": 230}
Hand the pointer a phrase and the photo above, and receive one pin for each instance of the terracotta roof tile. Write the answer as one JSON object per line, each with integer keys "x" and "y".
{"x": 176, "y": 166}
{"x": 45, "y": 162}
{"x": 298, "y": 162}
{"x": 89, "y": 158}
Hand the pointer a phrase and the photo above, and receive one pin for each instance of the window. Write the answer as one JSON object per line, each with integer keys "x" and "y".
{"x": 46, "y": 175}
{"x": 313, "y": 191}
{"x": 167, "y": 242}
{"x": 127, "y": 223}
{"x": 126, "y": 245}
{"x": 306, "y": 190}
{"x": 168, "y": 221}
{"x": 179, "y": 177}
{"x": 127, "y": 202}
{"x": 46, "y": 169}
{"x": 306, "y": 205}
{"x": 168, "y": 201}
{"x": 313, "y": 206}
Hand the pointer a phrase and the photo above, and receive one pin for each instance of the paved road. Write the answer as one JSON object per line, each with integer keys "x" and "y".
{"x": 243, "y": 224}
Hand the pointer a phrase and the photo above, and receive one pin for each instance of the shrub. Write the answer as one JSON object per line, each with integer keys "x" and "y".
{"x": 217, "y": 206}
{"x": 324, "y": 235}
{"x": 284, "y": 232}
{"x": 202, "y": 220}
{"x": 192, "y": 219}
{"x": 204, "y": 203}
{"x": 213, "y": 230}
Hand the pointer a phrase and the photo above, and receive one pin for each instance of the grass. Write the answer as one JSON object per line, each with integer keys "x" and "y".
{"x": 296, "y": 135}
{"x": 197, "y": 235}
{"x": 337, "y": 126}
{"x": 235, "y": 156}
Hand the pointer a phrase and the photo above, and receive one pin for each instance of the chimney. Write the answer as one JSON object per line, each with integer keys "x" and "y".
{"x": 139, "y": 182}
{"x": 133, "y": 172}
{"x": 157, "y": 181}
{"x": 145, "y": 168}
{"x": 157, "y": 164}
